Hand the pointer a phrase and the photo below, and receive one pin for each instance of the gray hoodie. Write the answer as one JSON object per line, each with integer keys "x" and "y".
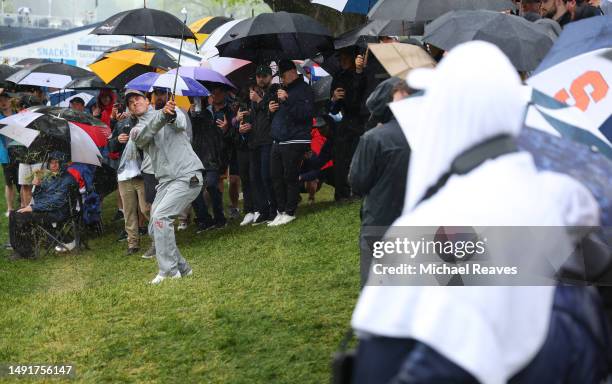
{"x": 167, "y": 143}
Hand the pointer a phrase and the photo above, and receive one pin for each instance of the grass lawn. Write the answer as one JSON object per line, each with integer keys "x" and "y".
{"x": 265, "y": 305}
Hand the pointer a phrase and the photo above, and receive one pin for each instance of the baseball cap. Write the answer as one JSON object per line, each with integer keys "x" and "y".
{"x": 263, "y": 70}
{"x": 133, "y": 92}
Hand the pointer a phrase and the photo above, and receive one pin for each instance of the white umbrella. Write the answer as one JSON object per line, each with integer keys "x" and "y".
{"x": 209, "y": 48}
{"x": 82, "y": 147}
{"x": 85, "y": 96}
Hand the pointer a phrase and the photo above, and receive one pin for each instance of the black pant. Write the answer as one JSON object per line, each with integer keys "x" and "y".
{"x": 261, "y": 181}
{"x": 343, "y": 151}
{"x": 244, "y": 169}
{"x": 285, "y": 170}
{"x": 211, "y": 183}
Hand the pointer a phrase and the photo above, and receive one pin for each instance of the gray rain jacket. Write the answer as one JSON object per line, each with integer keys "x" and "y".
{"x": 166, "y": 141}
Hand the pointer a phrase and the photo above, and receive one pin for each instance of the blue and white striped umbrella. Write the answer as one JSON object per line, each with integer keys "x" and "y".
{"x": 185, "y": 86}
{"x": 348, "y": 6}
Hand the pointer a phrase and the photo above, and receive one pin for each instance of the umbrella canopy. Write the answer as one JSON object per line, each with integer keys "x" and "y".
{"x": 54, "y": 75}
{"x": 31, "y": 61}
{"x": 322, "y": 89}
{"x": 204, "y": 75}
{"x": 205, "y": 26}
{"x": 209, "y": 48}
{"x": 96, "y": 129}
{"x": 87, "y": 98}
{"x": 578, "y": 71}
{"x": 89, "y": 82}
{"x": 523, "y": 42}
{"x": 184, "y": 85}
{"x": 118, "y": 65}
{"x": 370, "y": 32}
{"x": 427, "y": 10}
{"x": 41, "y": 133}
{"x": 398, "y": 59}
{"x": 144, "y": 22}
{"x": 348, "y": 6}
{"x": 83, "y": 149}
{"x": 272, "y": 36}
{"x": 237, "y": 71}
{"x": 6, "y": 71}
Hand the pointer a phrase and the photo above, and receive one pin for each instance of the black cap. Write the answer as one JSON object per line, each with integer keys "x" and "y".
{"x": 263, "y": 70}
{"x": 285, "y": 65}
{"x": 77, "y": 100}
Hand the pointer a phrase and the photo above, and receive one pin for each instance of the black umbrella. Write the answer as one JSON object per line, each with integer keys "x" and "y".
{"x": 370, "y": 32}
{"x": 273, "y": 36}
{"x": 55, "y": 75}
{"x": 69, "y": 114}
{"x": 522, "y": 41}
{"x": 31, "y": 61}
{"x": 89, "y": 82}
{"x": 144, "y": 22}
{"x": 322, "y": 91}
{"x": 426, "y": 10}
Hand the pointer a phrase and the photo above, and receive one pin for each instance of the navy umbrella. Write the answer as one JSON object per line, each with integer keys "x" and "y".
{"x": 427, "y": 10}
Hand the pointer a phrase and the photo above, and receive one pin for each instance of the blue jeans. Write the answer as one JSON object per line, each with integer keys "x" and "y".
{"x": 261, "y": 181}
{"x": 211, "y": 183}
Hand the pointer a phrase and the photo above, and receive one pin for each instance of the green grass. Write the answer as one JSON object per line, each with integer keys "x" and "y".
{"x": 265, "y": 305}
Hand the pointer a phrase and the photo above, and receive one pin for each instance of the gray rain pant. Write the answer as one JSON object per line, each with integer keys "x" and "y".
{"x": 171, "y": 199}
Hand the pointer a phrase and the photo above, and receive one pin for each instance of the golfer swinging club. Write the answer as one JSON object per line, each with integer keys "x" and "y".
{"x": 162, "y": 135}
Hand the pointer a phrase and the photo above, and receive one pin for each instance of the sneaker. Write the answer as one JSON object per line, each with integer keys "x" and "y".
{"x": 132, "y": 251}
{"x": 205, "y": 227}
{"x": 159, "y": 278}
{"x": 118, "y": 215}
{"x": 248, "y": 219}
{"x": 7, "y": 214}
{"x": 276, "y": 220}
{"x": 15, "y": 256}
{"x": 66, "y": 248}
{"x": 8, "y": 246}
{"x": 143, "y": 231}
{"x": 122, "y": 236}
{"x": 285, "y": 219}
{"x": 234, "y": 213}
{"x": 188, "y": 273}
{"x": 150, "y": 253}
{"x": 182, "y": 226}
{"x": 261, "y": 219}
{"x": 220, "y": 225}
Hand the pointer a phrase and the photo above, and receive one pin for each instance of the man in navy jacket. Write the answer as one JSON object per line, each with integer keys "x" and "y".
{"x": 291, "y": 123}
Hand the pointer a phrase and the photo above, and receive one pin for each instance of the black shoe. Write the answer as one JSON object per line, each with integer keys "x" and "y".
{"x": 122, "y": 236}
{"x": 262, "y": 220}
{"x": 221, "y": 225}
{"x": 204, "y": 227}
{"x": 118, "y": 216}
{"x": 143, "y": 231}
{"x": 15, "y": 256}
{"x": 132, "y": 251}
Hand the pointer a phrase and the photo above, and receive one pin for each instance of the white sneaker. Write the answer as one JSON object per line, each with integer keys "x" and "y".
{"x": 66, "y": 248}
{"x": 7, "y": 214}
{"x": 182, "y": 226}
{"x": 159, "y": 278}
{"x": 248, "y": 219}
{"x": 286, "y": 219}
{"x": 277, "y": 219}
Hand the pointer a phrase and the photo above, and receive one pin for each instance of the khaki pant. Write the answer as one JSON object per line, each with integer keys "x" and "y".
{"x": 133, "y": 196}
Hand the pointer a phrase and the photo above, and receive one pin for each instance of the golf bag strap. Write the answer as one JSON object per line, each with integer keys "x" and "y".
{"x": 472, "y": 158}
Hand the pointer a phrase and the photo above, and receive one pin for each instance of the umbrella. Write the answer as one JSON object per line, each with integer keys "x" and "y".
{"x": 322, "y": 89}
{"x": 83, "y": 149}
{"x": 117, "y": 66}
{"x": 205, "y": 26}
{"x": 237, "y": 71}
{"x": 578, "y": 71}
{"x": 54, "y": 75}
{"x": 370, "y": 32}
{"x": 6, "y": 71}
{"x": 348, "y": 6}
{"x": 272, "y": 36}
{"x": 184, "y": 85}
{"x": 204, "y": 75}
{"x": 427, "y": 10}
{"x": 73, "y": 116}
{"x": 39, "y": 132}
{"x": 522, "y": 41}
{"x": 209, "y": 49}
{"x": 64, "y": 96}
{"x": 89, "y": 82}
{"x": 398, "y": 59}
{"x": 144, "y": 22}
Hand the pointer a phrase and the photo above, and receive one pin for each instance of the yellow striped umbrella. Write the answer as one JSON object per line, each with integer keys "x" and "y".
{"x": 205, "y": 26}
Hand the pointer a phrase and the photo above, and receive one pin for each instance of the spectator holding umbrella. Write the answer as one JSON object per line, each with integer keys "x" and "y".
{"x": 292, "y": 111}
{"x": 103, "y": 107}
{"x": 347, "y": 92}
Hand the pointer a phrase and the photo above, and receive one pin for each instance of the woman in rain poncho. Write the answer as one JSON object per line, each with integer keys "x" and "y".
{"x": 495, "y": 334}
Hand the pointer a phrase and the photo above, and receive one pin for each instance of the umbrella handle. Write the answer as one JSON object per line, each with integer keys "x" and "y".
{"x": 179, "y": 59}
